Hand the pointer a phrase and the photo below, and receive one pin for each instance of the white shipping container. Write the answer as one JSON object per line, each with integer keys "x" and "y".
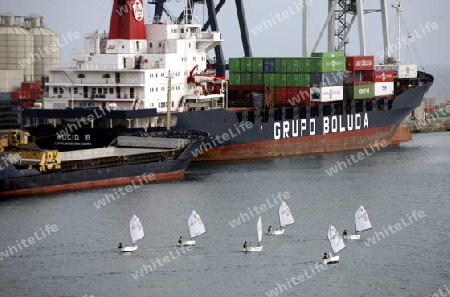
{"x": 407, "y": 71}
{"x": 384, "y": 88}
{"x": 327, "y": 94}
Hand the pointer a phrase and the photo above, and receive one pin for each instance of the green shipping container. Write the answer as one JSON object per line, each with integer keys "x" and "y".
{"x": 257, "y": 64}
{"x": 330, "y": 64}
{"x": 280, "y": 65}
{"x": 308, "y": 64}
{"x": 246, "y": 64}
{"x": 328, "y": 54}
{"x": 292, "y": 65}
{"x": 359, "y": 91}
{"x": 235, "y": 79}
{"x": 298, "y": 80}
{"x": 280, "y": 79}
{"x": 269, "y": 79}
{"x": 257, "y": 79}
{"x": 234, "y": 65}
{"x": 246, "y": 78}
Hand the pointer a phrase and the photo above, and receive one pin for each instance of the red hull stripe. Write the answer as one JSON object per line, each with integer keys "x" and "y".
{"x": 317, "y": 144}
{"x": 122, "y": 181}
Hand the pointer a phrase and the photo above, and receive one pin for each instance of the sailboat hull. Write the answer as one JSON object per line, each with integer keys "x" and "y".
{"x": 128, "y": 249}
{"x": 188, "y": 242}
{"x": 277, "y": 232}
{"x": 331, "y": 260}
{"x": 253, "y": 249}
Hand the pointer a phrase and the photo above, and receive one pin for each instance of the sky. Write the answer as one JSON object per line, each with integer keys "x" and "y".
{"x": 428, "y": 44}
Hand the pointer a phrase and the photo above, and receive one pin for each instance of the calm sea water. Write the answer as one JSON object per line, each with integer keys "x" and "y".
{"x": 80, "y": 258}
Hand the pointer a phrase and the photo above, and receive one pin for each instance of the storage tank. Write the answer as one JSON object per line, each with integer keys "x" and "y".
{"x": 46, "y": 46}
{"x": 16, "y": 47}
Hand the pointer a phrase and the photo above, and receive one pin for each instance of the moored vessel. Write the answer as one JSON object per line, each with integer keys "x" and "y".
{"x": 320, "y": 104}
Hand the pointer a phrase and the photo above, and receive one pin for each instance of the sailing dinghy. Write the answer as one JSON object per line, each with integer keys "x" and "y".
{"x": 196, "y": 228}
{"x": 259, "y": 247}
{"x": 286, "y": 219}
{"x": 337, "y": 244}
{"x": 136, "y": 232}
{"x": 362, "y": 223}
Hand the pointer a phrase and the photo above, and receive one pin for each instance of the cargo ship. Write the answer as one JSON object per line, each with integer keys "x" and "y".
{"x": 267, "y": 107}
{"x": 132, "y": 162}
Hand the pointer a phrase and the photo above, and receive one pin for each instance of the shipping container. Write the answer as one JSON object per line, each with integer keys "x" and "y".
{"x": 246, "y": 64}
{"x": 326, "y": 94}
{"x": 359, "y": 77}
{"x": 30, "y": 85}
{"x": 257, "y": 78}
{"x": 280, "y": 79}
{"x": 234, "y": 65}
{"x": 269, "y": 79}
{"x": 308, "y": 64}
{"x": 268, "y": 65}
{"x": 384, "y": 75}
{"x": 293, "y": 65}
{"x": 326, "y": 79}
{"x": 246, "y": 78}
{"x": 384, "y": 88}
{"x": 407, "y": 71}
{"x": 359, "y": 91}
{"x": 235, "y": 79}
{"x": 257, "y": 64}
{"x": 5, "y": 96}
{"x": 280, "y": 94}
{"x": 280, "y": 65}
{"x": 353, "y": 63}
{"x": 329, "y": 64}
{"x": 297, "y": 95}
{"x": 328, "y": 54}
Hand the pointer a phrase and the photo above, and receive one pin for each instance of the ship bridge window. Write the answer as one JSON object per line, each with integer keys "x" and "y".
{"x": 55, "y": 90}
{"x": 150, "y": 45}
{"x": 75, "y": 91}
{"x": 111, "y": 90}
{"x": 61, "y": 91}
{"x": 369, "y": 106}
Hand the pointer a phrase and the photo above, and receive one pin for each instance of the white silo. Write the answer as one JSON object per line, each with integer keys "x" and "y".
{"x": 46, "y": 46}
{"x": 16, "y": 47}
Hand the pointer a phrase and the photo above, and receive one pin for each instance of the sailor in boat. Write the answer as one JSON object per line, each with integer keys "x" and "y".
{"x": 245, "y": 245}
{"x": 325, "y": 256}
{"x": 180, "y": 241}
{"x": 344, "y": 234}
{"x": 119, "y": 247}
{"x": 270, "y": 230}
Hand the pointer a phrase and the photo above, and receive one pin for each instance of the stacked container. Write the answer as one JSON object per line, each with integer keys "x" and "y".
{"x": 384, "y": 83}
{"x": 359, "y": 77}
{"x": 291, "y": 78}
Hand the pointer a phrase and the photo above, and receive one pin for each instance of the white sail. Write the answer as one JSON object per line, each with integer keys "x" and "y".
{"x": 336, "y": 242}
{"x": 362, "y": 221}
{"x": 286, "y": 217}
{"x": 195, "y": 224}
{"x": 136, "y": 229}
{"x": 259, "y": 228}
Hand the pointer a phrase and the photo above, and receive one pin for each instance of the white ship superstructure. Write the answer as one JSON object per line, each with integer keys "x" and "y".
{"x": 128, "y": 70}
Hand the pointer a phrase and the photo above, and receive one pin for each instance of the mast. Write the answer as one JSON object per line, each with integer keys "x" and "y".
{"x": 398, "y": 8}
{"x": 169, "y": 101}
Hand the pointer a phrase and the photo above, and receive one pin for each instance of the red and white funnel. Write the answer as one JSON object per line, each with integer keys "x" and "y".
{"x": 127, "y": 20}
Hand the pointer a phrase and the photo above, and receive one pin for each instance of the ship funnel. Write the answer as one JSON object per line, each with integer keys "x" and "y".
{"x": 127, "y": 20}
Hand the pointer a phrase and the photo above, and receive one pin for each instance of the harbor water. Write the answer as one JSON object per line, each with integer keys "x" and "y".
{"x": 66, "y": 244}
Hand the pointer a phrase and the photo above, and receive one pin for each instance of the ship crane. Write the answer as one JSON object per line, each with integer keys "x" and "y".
{"x": 339, "y": 12}
{"x": 219, "y": 64}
